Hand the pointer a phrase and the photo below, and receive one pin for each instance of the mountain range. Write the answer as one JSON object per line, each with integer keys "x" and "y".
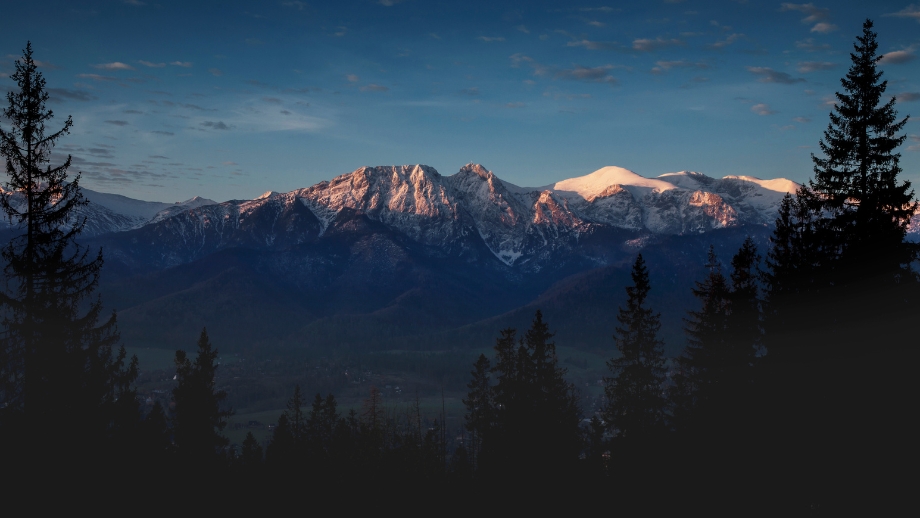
{"x": 403, "y": 257}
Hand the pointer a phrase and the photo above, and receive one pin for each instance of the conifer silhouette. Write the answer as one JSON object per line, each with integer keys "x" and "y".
{"x": 635, "y": 400}
{"x": 57, "y": 362}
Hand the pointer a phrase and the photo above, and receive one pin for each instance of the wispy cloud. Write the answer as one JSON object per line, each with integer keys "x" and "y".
{"x": 472, "y": 91}
{"x": 664, "y": 66}
{"x": 151, "y": 64}
{"x": 899, "y": 56}
{"x": 599, "y": 74}
{"x": 593, "y": 45}
{"x": 908, "y": 96}
{"x": 183, "y": 64}
{"x": 523, "y": 29}
{"x": 911, "y": 11}
{"x": 97, "y": 77}
{"x": 216, "y": 72}
{"x": 374, "y": 88}
{"x": 352, "y": 78}
{"x": 813, "y": 14}
{"x": 164, "y": 133}
{"x": 812, "y": 66}
{"x": 809, "y": 45}
{"x": 768, "y": 75}
{"x": 650, "y": 45}
{"x": 914, "y": 147}
{"x": 73, "y": 95}
{"x": 520, "y": 59}
{"x": 801, "y": 120}
{"x": 731, "y": 38}
{"x": 515, "y": 105}
{"x": 762, "y": 109}
{"x": 117, "y": 123}
{"x": 117, "y": 65}
{"x": 196, "y": 107}
{"x": 296, "y": 4}
{"x": 489, "y": 39}
{"x": 824, "y": 27}
{"x": 216, "y": 125}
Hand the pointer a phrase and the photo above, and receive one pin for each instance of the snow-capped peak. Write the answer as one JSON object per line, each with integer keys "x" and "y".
{"x": 595, "y": 184}
{"x": 781, "y": 185}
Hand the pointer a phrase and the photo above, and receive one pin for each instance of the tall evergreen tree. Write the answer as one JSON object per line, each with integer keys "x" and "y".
{"x": 715, "y": 371}
{"x": 288, "y": 446}
{"x": 744, "y": 327}
{"x": 856, "y": 179}
{"x": 57, "y": 362}
{"x": 198, "y": 418}
{"x": 635, "y": 402}
{"x": 480, "y": 408}
{"x": 251, "y": 453}
{"x": 702, "y": 366}
{"x": 536, "y": 411}
{"x": 839, "y": 263}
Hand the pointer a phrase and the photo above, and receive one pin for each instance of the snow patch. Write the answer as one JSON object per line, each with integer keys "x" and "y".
{"x": 593, "y": 185}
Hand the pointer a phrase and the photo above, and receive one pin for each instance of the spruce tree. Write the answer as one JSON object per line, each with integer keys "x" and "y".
{"x": 57, "y": 362}
{"x": 536, "y": 411}
{"x": 713, "y": 379}
{"x": 702, "y": 366}
{"x": 251, "y": 453}
{"x": 635, "y": 402}
{"x": 198, "y": 419}
{"x": 856, "y": 179}
{"x": 744, "y": 326}
{"x": 840, "y": 266}
{"x": 480, "y": 408}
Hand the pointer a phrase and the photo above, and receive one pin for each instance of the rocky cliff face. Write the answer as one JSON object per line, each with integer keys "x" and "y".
{"x": 517, "y": 224}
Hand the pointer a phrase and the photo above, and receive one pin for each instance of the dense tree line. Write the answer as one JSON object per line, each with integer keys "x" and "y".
{"x": 794, "y": 382}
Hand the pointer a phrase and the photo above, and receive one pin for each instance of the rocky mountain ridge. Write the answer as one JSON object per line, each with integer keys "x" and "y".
{"x": 517, "y": 224}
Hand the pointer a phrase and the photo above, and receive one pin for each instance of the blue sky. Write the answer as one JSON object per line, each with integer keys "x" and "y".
{"x": 230, "y": 99}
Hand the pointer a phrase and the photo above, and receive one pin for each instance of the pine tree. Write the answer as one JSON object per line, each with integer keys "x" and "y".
{"x": 839, "y": 265}
{"x": 555, "y": 404}
{"x": 713, "y": 379}
{"x": 797, "y": 276}
{"x": 744, "y": 326}
{"x": 702, "y": 366}
{"x": 289, "y": 444}
{"x": 56, "y": 361}
{"x": 635, "y": 403}
{"x": 856, "y": 179}
{"x": 251, "y": 453}
{"x": 535, "y": 411}
{"x": 198, "y": 418}
{"x": 480, "y": 408}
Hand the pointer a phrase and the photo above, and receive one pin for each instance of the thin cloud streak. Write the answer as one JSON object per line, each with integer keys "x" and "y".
{"x": 768, "y": 75}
